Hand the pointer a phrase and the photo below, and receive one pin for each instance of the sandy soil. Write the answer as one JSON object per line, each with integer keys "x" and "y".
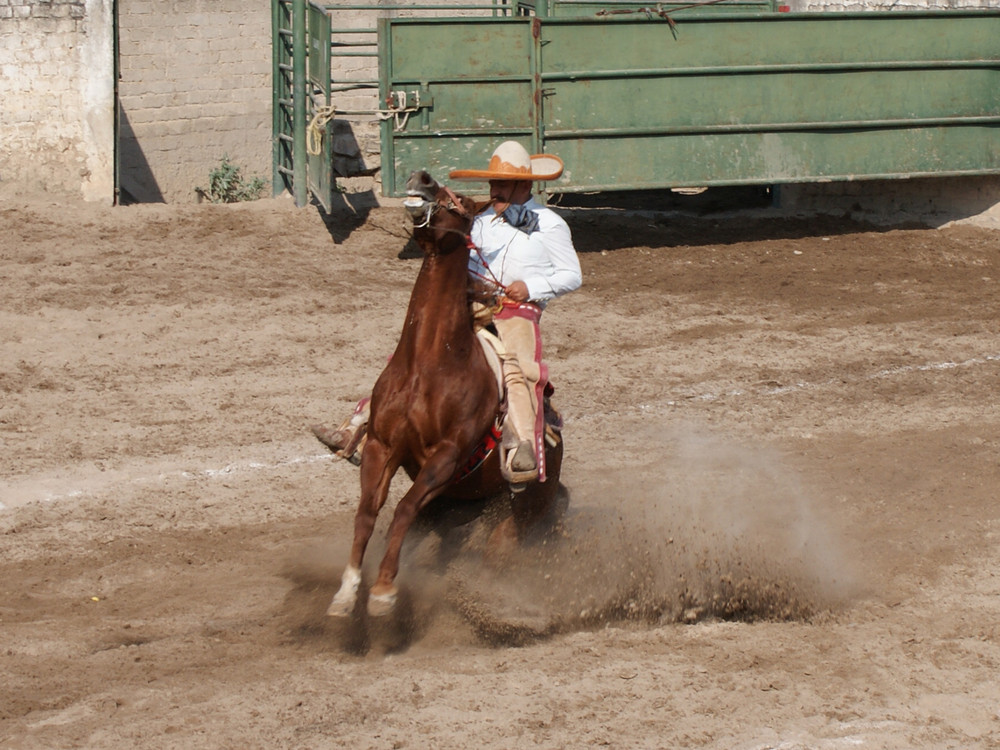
{"x": 783, "y": 458}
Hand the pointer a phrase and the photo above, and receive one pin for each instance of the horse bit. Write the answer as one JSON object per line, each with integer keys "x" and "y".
{"x": 417, "y": 204}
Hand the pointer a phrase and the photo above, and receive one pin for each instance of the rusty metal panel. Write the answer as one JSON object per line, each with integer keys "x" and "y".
{"x": 633, "y": 102}
{"x": 679, "y": 10}
{"x": 783, "y": 98}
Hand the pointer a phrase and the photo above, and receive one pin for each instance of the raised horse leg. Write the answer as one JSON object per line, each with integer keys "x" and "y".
{"x": 376, "y": 474}
{"x": 432, "y": 478}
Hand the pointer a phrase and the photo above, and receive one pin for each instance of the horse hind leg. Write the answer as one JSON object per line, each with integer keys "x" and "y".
{"x": 535, "y": 514}
{"x": 503, "y": 542}
{"x": 534, "y": 510}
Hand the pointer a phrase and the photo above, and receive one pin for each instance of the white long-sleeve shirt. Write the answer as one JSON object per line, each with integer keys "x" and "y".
{"x": 545, "y": 260}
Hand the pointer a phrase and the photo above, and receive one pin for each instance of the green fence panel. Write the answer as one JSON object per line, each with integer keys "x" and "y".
{"x": 458, "y": 86}
{"x": 783, "y": 98}
{"x": 772, "y": 158}
{"x": 633, "y": 102}
{"x": 319, "y": 137}
{"x": 282, "y": 118}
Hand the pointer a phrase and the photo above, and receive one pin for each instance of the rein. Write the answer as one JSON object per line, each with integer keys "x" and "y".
{"x": 455, "y": 204}
{"x": 491, "y": 278}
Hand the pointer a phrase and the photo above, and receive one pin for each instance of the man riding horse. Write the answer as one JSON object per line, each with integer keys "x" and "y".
{"x": 523, "y": 252}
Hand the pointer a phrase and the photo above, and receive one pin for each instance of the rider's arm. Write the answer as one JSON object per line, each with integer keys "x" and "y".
{"x": 545, "y": 260}
{"x": 563, "y": 273}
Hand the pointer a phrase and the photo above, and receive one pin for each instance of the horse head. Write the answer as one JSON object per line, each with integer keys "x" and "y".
{"x": 438, "y": 212}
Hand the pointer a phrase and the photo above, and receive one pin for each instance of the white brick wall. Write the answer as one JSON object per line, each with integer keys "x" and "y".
{"x": 195, "y": 86}
{"x": 56, "y": 89}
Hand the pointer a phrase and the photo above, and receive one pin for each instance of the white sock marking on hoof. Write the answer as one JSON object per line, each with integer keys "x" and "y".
{"x": 343, "y": 601}
{"x": 379, "y": 605}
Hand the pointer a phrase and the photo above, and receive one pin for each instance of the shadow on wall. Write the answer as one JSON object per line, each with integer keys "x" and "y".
{"x": 348, "y": 161}
{"x": 136, "y": 183}
{"x": 354, "y": 192}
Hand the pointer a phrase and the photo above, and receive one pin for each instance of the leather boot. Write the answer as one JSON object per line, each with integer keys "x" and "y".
{"x": 348, "y": 439}
{"x": 521, "y": 464}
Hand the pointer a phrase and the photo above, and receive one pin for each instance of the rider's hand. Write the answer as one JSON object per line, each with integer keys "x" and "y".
{"x": 518, "y": 291}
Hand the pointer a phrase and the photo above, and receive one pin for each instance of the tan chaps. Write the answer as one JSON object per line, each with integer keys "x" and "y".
{"x": 524, "y": 374}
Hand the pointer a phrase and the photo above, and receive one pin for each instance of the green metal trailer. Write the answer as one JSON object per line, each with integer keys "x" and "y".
{"x": 658, "y": 97}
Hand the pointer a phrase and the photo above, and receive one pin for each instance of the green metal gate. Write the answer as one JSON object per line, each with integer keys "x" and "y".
{"x": 308, "y": 39}
{"x": 631, "y": 101}
{"x": 302, "y": 96}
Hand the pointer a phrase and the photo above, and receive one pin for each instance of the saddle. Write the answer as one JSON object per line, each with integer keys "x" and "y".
{"x": 348, "y": 440}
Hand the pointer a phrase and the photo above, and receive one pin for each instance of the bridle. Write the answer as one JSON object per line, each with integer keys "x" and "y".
{"x": 449, "y": 202}
{"x": 417, "y": 205}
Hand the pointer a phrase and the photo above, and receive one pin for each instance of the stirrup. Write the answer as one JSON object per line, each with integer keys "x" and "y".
{"x": 523, "y": 458}
{"x": 516, "y": 479}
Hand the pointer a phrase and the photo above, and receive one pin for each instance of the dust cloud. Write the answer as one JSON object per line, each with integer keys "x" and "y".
{"x": 702, "y": 528}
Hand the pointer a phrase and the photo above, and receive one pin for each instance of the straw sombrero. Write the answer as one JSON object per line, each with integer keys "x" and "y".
{"x": 511, "y": 161}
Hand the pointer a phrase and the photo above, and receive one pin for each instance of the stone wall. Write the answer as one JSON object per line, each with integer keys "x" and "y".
{"x": 57, "y": 95}
{"x": 883, "y": 5}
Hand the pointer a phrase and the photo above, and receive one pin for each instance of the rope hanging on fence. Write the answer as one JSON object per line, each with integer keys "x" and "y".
{"x": 317, "y": 129}
{"x": 399, "y": 108}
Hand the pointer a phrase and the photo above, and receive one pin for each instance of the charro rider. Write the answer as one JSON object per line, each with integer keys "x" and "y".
{"x": 524, "y": 252}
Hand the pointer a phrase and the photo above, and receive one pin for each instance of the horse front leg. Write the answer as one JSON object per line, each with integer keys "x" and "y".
{"x": 430, "y": 481}
{"x": 376, "y": 475}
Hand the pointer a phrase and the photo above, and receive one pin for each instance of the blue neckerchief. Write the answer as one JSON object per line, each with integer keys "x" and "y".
{"x": 521, "y": 217}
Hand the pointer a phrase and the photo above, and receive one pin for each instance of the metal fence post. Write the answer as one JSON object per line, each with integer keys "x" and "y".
{"x": 300, "y": 184}
{"x": 277, "y": 180}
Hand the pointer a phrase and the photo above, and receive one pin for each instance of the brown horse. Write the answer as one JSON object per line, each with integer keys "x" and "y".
{"x": 433, "y": 405}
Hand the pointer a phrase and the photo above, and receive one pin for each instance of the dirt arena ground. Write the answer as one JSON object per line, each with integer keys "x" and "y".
{"x": 783, "y": 452}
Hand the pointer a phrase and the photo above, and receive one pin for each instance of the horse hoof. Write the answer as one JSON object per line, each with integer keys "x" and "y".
{"x": 340, "y": 608}
{"x": 335, "y": 440}
{"x": 343, "y": 601}
{"x": 380, "y": 605}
